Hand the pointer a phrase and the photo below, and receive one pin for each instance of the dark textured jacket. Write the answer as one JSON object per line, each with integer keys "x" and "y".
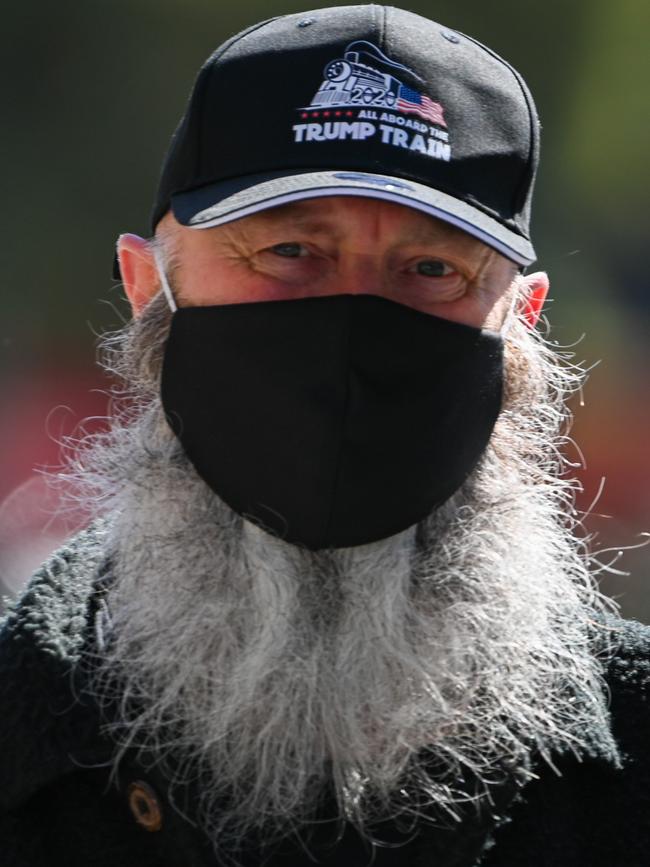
{"x": 58, "y": 805}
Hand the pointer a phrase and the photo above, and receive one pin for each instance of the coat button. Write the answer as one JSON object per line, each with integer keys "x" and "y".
{"x": 145, "y": 806}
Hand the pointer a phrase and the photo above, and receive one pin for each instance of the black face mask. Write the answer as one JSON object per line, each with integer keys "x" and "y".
{"x": 331, "y": 421}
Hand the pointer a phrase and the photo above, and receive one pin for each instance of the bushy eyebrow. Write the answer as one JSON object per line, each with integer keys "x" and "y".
{"x": 437, "y": 230}
{"x": 294, "y": 215}
{"x": 299, "y": 216}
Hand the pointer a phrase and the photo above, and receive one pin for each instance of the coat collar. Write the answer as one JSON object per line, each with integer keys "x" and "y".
{"x": 51, "y": 729}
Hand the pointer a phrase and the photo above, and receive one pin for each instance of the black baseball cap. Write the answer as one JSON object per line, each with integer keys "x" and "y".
{"x": 363, "y": 100}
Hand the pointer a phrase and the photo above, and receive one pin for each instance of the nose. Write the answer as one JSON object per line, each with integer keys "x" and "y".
{"x": 358, "y": 272}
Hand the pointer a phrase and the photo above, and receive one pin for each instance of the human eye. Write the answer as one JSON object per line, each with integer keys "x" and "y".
{"x": 432, "y": 268}
{"x": 289, "y": 250}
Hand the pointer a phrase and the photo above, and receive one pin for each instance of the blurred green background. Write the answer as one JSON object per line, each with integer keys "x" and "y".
{"x": 92, "y": 92}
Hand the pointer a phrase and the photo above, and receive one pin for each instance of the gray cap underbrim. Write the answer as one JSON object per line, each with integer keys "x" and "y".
{"x": 225, "y": 201}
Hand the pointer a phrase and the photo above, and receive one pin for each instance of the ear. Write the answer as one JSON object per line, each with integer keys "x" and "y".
{"x": 534, "y": 289}
{"x": 138, "y": 271}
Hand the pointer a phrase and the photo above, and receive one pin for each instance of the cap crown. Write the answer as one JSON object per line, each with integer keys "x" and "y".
{"x": 361, "y": 88}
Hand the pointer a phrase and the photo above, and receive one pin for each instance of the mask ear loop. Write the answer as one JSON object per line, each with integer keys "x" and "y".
{"x": 164, "y": 283}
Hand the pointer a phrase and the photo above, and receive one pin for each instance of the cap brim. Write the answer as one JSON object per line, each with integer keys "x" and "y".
{"x": 225, "y": 201}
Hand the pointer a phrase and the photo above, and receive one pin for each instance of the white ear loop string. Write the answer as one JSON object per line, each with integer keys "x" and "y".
{"x": 164, "y": 283}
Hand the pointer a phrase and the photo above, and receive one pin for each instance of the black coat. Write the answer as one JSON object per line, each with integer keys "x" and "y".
{"x": 59, "y": 807}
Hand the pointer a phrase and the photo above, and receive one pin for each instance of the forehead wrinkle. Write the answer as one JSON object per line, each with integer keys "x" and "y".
{"x": 317, "y": 215}
{"x": 296, "y": 215}
{"x": 435, "y": 230}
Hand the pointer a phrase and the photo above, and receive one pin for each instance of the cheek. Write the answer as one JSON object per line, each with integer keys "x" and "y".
{"x": 471, "y": 309}
{"x": 228, "y": 281}
{"x": 497, "y": 310}
{"x": 423, "y": 293}
{"x": 302, "y": 271}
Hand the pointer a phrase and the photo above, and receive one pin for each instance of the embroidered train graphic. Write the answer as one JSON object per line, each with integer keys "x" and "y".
{"x": 364, "y": 77}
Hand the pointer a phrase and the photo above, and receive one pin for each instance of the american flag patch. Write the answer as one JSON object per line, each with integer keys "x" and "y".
{"x": 412, "y": 102}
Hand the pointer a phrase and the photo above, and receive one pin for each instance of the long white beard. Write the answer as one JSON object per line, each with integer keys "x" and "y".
{"x": 276, "y": 672}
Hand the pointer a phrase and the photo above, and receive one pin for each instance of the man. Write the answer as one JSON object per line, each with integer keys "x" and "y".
{"x": 331, "y": 607}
